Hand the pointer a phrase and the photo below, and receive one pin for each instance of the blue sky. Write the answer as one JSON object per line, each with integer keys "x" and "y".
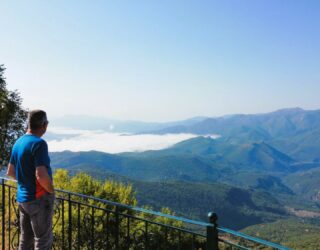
{"x": 162, "y": 60}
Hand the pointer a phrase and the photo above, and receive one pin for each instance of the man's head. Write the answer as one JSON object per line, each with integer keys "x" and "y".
{"x": 37, "y": 121}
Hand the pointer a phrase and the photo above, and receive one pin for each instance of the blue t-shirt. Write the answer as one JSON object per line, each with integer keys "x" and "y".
{"x": 29, "y": 152}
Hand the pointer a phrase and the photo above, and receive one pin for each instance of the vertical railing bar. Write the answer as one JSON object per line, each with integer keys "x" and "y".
{"x": 146, "y": 235}
{"x": 92, "y": 229}
{"x": 166, "y": 238}
{"x": 128, "y": 233}
{"x": 108, "y": 229}
{"x": 193, "y": 241}
{"x": 18, "y": 218}
{"x": 9, "y": 225}
{"x": 3, "y": 215}
{"x": 62, "y": 218}
{"x": 179, "y": 240}
{"x": 79, "y": 227}
{"x": 69, "y": 222}
{"x": 117, "y": 228}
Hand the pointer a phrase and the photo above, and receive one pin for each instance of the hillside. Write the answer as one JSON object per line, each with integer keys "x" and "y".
{"x": 294, "y": 233}
{"x": 236, "y": 207}
{"x": 254, "y": 156}
{"x": 305, "y": 184}
{"x": 151, "y": 168}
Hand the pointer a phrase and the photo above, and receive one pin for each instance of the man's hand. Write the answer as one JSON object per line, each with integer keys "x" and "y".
{"x": 11, "y": 172}
{"x": 44, "y": 179}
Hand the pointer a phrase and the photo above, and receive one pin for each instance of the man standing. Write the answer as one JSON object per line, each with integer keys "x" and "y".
{"x": 30, "y": 166}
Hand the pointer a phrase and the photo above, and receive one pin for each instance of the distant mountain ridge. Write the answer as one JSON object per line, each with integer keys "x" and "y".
{"x": 280, "y": 122}
{"x": 295, "y": 132}
{"x": 112, "y": 125}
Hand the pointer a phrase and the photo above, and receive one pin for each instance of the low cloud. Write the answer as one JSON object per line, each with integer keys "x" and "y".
{"x": 85, "y": 140}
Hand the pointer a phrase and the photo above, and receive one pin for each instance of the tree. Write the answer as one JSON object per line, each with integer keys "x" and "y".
{"x": 12, "y": 118}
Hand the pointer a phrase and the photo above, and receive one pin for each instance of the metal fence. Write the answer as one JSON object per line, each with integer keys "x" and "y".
{"x": 84, "y": 222}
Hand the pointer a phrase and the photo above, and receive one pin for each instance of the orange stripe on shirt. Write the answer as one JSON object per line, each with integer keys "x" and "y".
{"x": 39, "y": 190}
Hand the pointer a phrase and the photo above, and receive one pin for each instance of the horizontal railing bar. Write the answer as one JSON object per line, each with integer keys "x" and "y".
{"x": 234, "y": 244}
{"x": 132, "y": 217}
{"x": 138, "y": 209}
{"x": 198, "y": 223}
{"x": 251, "y": 238}
{"x": 164, "y": 225}
{"x": 85, "y": 205}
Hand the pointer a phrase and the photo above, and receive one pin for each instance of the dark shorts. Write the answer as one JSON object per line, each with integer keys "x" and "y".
{"x": 36, "y": 223}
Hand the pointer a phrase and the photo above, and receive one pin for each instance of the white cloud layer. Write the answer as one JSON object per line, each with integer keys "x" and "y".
{"x": 85, "y": 140}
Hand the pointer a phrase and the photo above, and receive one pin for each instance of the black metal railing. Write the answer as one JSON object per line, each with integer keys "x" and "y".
{"x": 84, "y": 222}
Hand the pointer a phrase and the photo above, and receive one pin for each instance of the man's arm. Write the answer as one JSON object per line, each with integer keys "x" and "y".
{"x": 11, "y": 172}
{"x": 44, "y": 179}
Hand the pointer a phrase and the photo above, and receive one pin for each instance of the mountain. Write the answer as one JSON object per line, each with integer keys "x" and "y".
{"x": 293, "y": 131}
{"x": 285, "y": 122}
{"x": 305, "y": 184}
{"x": 258, "y": 156}
{"x": 199, "y": 159}
{"x": 301, "y": 146}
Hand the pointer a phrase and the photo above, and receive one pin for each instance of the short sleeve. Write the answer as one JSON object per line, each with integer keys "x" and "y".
{"x": 41, "y": 155}
{"x": 12, "y": 158}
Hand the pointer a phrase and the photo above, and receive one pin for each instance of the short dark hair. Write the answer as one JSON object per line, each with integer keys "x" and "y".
{"x": 36, "y": 119}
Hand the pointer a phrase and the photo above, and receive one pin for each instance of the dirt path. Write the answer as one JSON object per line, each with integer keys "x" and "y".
{"x": 303, "y": 213}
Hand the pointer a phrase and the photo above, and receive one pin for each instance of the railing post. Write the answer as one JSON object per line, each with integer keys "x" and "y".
{"x": 62, "y": 221}
{"x": 117, "y": 227}
{"x": 69, "y": 221}
{"x": 3, "y": 214}
{"x": 92, "y": 228}
{"x": 212, "y": 232}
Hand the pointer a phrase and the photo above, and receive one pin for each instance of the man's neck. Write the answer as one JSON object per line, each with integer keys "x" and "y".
{"x": 34, "y": 132}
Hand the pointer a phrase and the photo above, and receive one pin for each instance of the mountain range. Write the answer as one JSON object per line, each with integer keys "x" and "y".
{"x": 260, "y": 169}
{"x": 293, "y": 131}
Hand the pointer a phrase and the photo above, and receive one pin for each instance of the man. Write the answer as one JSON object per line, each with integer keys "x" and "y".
{"x": 30, "y": 166}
